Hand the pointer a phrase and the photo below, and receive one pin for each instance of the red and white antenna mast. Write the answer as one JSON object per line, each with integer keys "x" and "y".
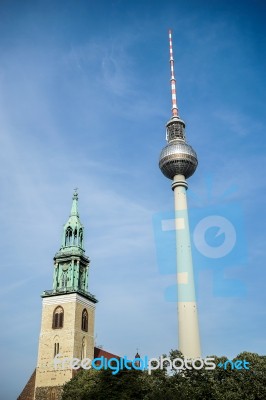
{"x": 173, "y": 87}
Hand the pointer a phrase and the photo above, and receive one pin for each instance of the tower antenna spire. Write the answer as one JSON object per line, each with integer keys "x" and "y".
{"x": 172, "y": 80}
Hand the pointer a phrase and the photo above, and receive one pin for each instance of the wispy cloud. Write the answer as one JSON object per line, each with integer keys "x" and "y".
{"x": 13, "y": 286}
{"x": 238, "y": 122}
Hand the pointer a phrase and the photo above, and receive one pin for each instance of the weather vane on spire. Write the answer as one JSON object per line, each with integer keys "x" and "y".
{"x": 75, "y": 194}
{"x": 173, "y": 87}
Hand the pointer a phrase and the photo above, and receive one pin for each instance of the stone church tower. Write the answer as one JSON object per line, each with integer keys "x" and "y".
{"x": 67, "y": 325}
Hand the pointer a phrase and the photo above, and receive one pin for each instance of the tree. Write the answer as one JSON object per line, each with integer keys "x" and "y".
{"x": 82, "y": 383}
{"x": 222, "y": 383}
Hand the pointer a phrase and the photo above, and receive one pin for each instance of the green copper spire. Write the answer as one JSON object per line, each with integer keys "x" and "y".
{"x": 71, "y": 265}
{"x": 73, "y": 229}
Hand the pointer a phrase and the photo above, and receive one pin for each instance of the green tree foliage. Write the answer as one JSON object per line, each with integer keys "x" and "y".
{"x": 222, "y": 383}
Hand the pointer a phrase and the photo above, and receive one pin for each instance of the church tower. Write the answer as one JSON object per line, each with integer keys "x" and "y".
{"x": 67, "y": 325}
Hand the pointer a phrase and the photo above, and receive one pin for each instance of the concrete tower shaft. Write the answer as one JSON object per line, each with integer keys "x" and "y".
{"x": 188, "y": 326}
{"x": 177, "y": 162}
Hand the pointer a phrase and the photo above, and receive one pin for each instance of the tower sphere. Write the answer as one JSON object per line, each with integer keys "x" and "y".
{"x": 178, "y": 158}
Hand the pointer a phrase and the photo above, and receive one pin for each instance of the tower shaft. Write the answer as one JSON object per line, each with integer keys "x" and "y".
{"x": 188, "y": 327}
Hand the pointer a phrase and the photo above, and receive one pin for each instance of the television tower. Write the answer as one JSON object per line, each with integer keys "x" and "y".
{"x": 178, "y": 161}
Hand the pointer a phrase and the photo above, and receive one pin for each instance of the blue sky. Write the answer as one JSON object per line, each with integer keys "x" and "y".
{"x": 84, "y": 98}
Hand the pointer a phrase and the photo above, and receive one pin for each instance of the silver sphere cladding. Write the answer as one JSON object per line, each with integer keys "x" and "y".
{"x": 178, "y": 158}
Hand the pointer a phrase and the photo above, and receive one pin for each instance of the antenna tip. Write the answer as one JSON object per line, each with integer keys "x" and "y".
{"x": 170, "y": 31}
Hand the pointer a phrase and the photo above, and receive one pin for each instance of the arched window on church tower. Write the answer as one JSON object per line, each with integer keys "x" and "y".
{"x": 58, "y": 318}
{"x": 75, "y": 240}
{"x": 53, "y": 394}
{"x": 68, "y": 238}
{"x": 81, "y": 238}
{"x": 56, "y": 345}
{"x": 56, "y": 348}
{"x": 84, "y": 320}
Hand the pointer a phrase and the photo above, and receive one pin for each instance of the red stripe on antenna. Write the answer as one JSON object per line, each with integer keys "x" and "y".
{"x": 172, "y": 80}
